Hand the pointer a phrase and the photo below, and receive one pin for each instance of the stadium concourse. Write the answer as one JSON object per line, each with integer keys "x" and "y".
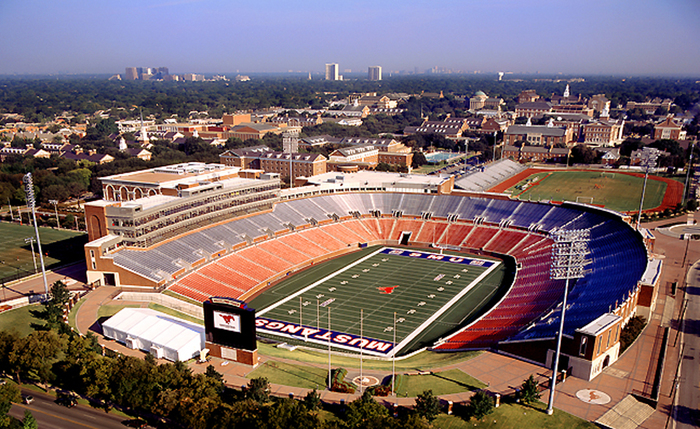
{"x": 265, "y": 247}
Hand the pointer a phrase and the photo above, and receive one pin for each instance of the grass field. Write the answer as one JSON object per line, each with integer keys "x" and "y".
{"x": 429, "y": 296}
{"x": 615, "y": 191}
{"x": 60, "y": 247}
{"x": 441, "y": 383}
{"x": 19, "y": 319}
{"x": 516, "y": 416}
{"x": 307, "y": 377}
{"x": 423, "y": 361}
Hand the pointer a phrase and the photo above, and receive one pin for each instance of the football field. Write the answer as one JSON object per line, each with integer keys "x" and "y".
{"x": 60, "y": 247}
{"x": 423, "y": 295}
{"x": 613, "y": 190}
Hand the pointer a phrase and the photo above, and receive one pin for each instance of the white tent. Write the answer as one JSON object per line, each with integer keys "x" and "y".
{"x": 154, "y": 332}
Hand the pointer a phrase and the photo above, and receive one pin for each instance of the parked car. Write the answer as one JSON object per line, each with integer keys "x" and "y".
{"x": 136, "y": 423}
{"x": 67, "y": 400}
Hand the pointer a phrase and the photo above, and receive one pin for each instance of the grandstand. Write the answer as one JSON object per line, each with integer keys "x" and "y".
{"x": 265, "y": 247}
{"x": 243, "y": 256}
{"x": 480, "y": 180}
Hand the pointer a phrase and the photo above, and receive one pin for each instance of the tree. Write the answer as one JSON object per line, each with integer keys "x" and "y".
{"x": 418, "y": 159}
{"x": 480, "y": 405}
{"x": 582, "y": 154}
{"x": 258, "y": 390}
{"x": 529, "y": 391}
{"x": 312, "y": 400}
{"x": 366, "y": 412}
{"x": 427, "y": 405}
{"x": 29, "y": 422}
{"x": 52, "y": 312}
{"x": 9, "y": 393}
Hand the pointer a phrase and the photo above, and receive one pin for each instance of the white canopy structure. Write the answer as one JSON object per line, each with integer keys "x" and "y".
{"x": 156, "y": 333}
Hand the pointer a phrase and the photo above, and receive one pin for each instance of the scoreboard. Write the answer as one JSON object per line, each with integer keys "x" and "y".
{"x": 230, "y": 330}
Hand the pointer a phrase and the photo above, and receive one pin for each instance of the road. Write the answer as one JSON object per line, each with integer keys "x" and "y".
{"x": 686, "y": 411}
{"x": 50, "y": 415}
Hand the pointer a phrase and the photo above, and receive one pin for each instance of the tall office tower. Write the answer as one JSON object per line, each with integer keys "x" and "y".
{"x": 374, "y": 73}
{"x": 131, "y": 73}
{"x": 332, "y": 71}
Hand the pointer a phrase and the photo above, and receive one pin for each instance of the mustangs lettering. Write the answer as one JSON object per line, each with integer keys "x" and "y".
{"x": 227, "y": 321}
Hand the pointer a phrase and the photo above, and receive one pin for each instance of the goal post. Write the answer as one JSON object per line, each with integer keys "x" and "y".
{"x": 584, "y": 200}
{"x": 607, "y": 174}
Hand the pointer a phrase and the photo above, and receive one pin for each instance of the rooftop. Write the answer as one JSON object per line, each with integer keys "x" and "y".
{"x": 191, "y": 172}
{"x": 600, "y": 324}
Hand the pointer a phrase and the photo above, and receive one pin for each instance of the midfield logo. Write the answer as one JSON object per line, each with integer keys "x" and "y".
{"x": 386, "y": 290}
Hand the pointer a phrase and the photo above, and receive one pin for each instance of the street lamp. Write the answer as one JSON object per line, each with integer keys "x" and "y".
{"x": 568, "y": 262}
{"x": 31, "y": 203}
{"x": 30, "y": 240}
{"x": 55, "y": 207}
{"x": 648, "y": 158}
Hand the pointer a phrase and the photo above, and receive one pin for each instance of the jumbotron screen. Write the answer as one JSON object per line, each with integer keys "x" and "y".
{"x": 230, "y": 323}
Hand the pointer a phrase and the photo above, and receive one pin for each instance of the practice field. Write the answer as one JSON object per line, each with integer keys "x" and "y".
{"x": 431, "y": 295}
{"x": 615, "y": 191}
{"x": 60, "y": 247}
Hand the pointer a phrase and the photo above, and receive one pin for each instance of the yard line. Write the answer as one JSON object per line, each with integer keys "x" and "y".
{"x": 313, "y": 285}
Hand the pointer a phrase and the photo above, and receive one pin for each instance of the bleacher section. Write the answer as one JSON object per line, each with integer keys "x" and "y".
{"x": 480, "y": 181}
{"x": 517, "y": 228}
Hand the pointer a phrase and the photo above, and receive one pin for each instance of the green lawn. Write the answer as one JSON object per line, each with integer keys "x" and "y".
{"x": 60, "y": 247}
{"x": 516, "y": 416}
{"x": 441, "y": 383}
{"x": 423, "y": 361}
{"x": 613, "y": 190}
{"x": 292, "y": 375}
{"x": 175, "y": 313}
{"x": 73, "y": 313}
{"x": 19, "y": 319}
{"x": 111, "y": 310}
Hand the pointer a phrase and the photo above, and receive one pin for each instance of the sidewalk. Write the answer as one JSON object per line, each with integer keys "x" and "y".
{"x": 503, "y": 374}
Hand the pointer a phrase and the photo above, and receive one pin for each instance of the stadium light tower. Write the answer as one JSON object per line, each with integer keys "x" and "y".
{"x": 648, "y": 158}
{"x": 31, "y": 240}
{"x": 568, "y": 262}
{"x": 55, "y": 207}
{"x": 687, "y": 174}
{"x": 31, "y": 203}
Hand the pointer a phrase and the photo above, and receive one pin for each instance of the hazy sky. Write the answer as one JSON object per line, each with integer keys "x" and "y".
{"x": 219, "y": 36}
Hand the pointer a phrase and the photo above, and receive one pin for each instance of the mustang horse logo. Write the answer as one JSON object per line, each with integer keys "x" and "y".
{"x": 228, "y": 318}
{"x": 386, "y": 290}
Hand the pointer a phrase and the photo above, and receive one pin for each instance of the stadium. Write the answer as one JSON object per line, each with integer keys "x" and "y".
{"x": 402, "y": 263}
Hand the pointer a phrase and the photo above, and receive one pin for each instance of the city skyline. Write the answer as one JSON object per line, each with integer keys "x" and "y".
{"x": 648, "y": 37}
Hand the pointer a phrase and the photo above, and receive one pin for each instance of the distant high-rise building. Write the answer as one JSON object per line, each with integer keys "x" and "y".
{"x": 332, "y": 71}
{"x": 374, "y": 73}
{"x": 131, "y": 73}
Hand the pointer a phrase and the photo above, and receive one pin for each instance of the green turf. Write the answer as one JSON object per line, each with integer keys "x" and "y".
{"x": 614, "y": 191}
{"x": 74, "y": 313}
{"x": 423, "y": 361}
{"x": 60, "y": 247}
{"x": 287, "y": 374}
{"x": 175, "y": 313}
{"x": 111, "y": 310}
{"x": 20, "y": 319}
{"x": 424, "y": 286}
{"x": 441, "y": 383}
{"x": 516, "y": 416}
